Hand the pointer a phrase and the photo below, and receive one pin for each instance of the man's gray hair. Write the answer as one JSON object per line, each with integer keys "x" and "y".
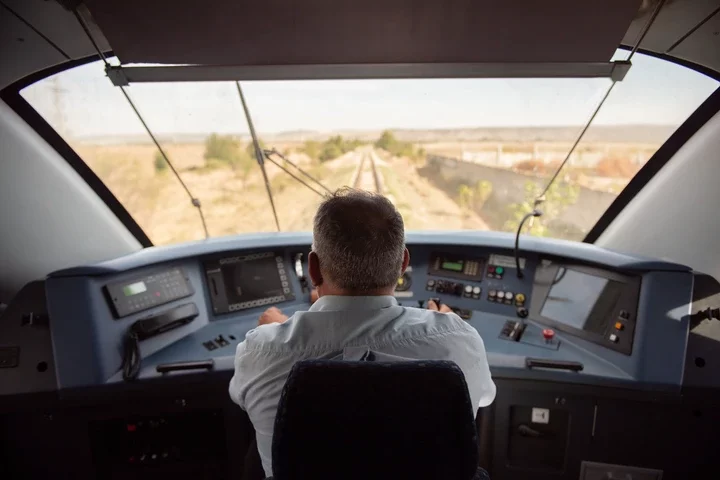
{"x": 359, "y": 238}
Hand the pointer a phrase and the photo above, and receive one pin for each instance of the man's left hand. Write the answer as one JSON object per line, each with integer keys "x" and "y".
{"x": 272, "y": 315}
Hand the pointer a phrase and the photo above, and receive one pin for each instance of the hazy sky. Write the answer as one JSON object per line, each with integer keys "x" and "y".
{"x": 654, "y": 92}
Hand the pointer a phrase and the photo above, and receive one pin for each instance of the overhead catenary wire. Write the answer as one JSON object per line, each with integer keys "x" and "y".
{"x": 193, "y": 200}
{"x": 541, "y": 198}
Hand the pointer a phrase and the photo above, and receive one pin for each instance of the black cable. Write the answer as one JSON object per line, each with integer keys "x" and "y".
{"x": 540, "y": 198}
{"x": 32, "y": 27}
{"x": 646, "y": 28}
{"x": 292, "y": 175}
{"x": 534, "y": 213}
{"x": 195, "y": 201}
{"x": 131, "y": 357}
{"x": 275, "y": 152}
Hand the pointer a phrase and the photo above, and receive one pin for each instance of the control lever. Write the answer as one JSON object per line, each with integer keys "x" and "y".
{"x": 181, "y": 366}
{"x": 300, "y": 273}
{"x": 553, "y": 364}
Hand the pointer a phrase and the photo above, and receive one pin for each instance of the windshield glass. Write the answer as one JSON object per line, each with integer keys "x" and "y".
{"x": 451, "y": 154}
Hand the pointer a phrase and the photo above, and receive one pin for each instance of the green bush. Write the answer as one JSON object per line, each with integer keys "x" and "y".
{"x": 560, "y": 196}
{"x": 389, "y": 143}
{"x": 335, "y": 146}
{"x": 225, "y": 150}
{"x": 312, "y": 149}
{"x": 160, "y": 163}
{"x": 222, "y": 147}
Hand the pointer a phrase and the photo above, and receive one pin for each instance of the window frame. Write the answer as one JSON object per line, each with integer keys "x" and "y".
{"x": 705, "y": 111}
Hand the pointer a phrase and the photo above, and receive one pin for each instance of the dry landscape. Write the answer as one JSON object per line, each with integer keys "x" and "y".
{"x": 428, "y": 200}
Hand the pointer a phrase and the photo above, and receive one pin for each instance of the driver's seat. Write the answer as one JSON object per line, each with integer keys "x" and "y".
{"x": 375, "y": 420}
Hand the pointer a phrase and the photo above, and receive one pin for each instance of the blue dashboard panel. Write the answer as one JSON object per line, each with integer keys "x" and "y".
{"x": 88, "y": 336}
{"x": 492, "y": 240}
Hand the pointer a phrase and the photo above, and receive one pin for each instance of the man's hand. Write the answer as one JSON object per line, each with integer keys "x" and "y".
{"x": 272, "y": 315}
{"x": 431, "y": 305}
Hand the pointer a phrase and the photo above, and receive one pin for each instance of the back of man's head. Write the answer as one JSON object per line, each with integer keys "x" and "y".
{"x": 359, "y": 238}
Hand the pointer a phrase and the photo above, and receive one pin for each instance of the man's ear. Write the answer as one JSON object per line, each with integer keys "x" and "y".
{"x": 406, "y": 261}
{"x": 314, "y": 269}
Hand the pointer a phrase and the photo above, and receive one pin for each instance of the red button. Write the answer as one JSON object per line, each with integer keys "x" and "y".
{"x": 491, "y": 269}
{"x": 548, "y": 333}
{"x": 131, "y": 427}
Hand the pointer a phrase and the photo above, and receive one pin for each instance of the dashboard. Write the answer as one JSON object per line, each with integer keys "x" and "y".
{"x": 582, "y": 343}
{"x": 574, "y": 311}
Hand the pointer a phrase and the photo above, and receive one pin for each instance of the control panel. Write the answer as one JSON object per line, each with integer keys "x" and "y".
{"x": 142, "y": 293}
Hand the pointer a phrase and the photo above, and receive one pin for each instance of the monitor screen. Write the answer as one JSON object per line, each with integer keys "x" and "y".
{"x": 247, "y": 281}
{"x": 581, "y": 300}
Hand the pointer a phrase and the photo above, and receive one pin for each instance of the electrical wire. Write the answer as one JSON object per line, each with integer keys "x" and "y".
{"x": 131, "y": 357}
{"x": 541, "y": 198}
{"x": 193, "y": 200}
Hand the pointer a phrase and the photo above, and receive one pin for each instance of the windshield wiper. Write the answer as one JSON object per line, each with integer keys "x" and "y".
{"x": 258, "y": 152}
{"x": 541, "y": 198}
{"x": 193, "y": 199}
{"x": 262, "y": 155}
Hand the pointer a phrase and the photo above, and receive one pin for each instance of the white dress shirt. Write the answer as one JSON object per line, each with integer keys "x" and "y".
{"x": 336, "y": 324}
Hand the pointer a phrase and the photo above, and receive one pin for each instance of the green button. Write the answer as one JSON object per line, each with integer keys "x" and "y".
{"x": 499, "y": 270}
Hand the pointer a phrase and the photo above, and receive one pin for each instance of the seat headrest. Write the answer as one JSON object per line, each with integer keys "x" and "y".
{"x": 339, "y": 419}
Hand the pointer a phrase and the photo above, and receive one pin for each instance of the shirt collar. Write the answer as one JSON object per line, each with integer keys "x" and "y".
{"x": 330, "y": 303}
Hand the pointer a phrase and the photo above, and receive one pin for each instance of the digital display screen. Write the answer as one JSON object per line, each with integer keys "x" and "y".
{"x": 455, "y": 266}
{"x": 134, "y": 289}
{"x": 251, "y": 280}
{"x": 247, "y": 281}
{"x": 452, "y": 266}
{"x": 581, "y": 300}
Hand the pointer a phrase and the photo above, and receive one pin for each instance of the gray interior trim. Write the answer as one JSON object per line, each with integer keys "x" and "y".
{"x": 199, "y": 73}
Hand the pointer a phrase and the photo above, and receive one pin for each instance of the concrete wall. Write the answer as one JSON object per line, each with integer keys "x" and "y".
{"x": 508, "y": 187}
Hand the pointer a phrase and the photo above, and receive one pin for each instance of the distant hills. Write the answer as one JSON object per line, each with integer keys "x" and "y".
{"x": 652, "y": 134}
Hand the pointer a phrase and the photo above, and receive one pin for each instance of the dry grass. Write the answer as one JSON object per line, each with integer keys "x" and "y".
{"x": 163, "y": 209}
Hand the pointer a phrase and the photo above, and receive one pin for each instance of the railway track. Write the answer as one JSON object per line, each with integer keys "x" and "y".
{"x": 367, "y": 177}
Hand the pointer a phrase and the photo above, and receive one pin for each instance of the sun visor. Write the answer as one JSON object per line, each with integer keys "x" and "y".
{"x": 349, "y": 32}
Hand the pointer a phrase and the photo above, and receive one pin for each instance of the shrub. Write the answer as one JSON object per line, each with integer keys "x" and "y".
{"x": 159, "y": 162}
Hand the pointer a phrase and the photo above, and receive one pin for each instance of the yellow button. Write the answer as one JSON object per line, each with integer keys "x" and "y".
{"x": 619, "y": 326}
{"x": 520, "y": 298}
{"x": 400, "y": 281}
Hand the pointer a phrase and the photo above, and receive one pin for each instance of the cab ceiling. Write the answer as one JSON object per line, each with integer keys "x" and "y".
{"x": 36, "y": 34}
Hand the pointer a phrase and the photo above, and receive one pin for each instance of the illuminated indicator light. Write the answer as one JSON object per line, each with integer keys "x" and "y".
{"x": 131, "y": 427}
{"x": 619, "y": 326}
{"x": 499, "y": 270}
{"x": 520, "y": 298}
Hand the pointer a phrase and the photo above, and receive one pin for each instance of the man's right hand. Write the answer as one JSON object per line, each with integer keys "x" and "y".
{"x": 272, "y": 315}
{"x": 431, "y": 305}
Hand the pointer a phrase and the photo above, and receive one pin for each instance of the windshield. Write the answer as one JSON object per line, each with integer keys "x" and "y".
{"x": 468, "y": 154}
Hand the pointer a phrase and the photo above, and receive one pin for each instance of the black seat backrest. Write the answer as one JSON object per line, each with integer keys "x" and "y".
{"x": 375, "y": 420}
